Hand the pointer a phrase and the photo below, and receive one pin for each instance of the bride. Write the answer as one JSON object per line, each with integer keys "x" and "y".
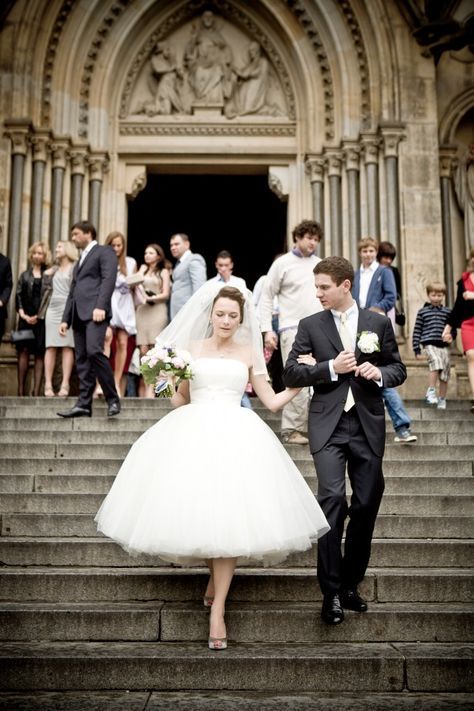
{"x": 211, "y": 481}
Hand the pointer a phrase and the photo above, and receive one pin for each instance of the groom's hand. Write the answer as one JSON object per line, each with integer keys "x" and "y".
{"x": 345, "y": 362}
{"x": 368, "y": 371}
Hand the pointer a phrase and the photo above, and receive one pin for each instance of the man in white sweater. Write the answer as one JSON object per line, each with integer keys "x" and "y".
{"x": 291, "y": 279}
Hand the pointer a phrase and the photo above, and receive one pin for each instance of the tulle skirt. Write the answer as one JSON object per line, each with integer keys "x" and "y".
{"x": 211, "y": 481}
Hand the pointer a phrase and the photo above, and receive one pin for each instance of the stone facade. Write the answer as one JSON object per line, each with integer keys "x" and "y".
{"x": 357, "y": 125}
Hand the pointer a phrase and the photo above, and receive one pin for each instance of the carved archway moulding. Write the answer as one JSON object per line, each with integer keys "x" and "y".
{"x": 297, "y": 7}
{"x": 451, "y": 118}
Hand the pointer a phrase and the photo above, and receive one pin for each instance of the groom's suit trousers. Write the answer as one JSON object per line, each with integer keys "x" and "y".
{"x": 347, "y": 445}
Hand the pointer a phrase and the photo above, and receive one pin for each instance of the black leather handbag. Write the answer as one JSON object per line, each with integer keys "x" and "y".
{"x": 24, "y": 334}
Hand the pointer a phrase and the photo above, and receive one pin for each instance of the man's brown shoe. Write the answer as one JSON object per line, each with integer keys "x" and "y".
{"x": 295, "y": 437}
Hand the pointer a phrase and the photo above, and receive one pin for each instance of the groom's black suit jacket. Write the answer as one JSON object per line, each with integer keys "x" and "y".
{"x": 318, "y": 335}
{"x": 92, "y": 285}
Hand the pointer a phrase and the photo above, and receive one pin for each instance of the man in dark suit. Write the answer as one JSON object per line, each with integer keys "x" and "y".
{"x": 88, "y": 311}
{"x": 347, "y": 355}
{"x": 6, "y": 285}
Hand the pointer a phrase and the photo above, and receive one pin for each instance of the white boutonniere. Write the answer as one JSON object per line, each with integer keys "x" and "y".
{"x": 368, "y": 342}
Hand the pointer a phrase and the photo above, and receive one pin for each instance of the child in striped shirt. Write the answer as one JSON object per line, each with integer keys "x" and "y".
{"x": 428, "y": 334}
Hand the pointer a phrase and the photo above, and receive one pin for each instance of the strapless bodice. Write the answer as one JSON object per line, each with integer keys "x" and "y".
{"x": 218, "y": 381}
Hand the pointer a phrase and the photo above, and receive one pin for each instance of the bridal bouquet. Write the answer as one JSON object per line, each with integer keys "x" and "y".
{"x": 165, "y": 367}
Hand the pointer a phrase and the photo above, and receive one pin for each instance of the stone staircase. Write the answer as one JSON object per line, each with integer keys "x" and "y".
{"x": 85, "y": 626}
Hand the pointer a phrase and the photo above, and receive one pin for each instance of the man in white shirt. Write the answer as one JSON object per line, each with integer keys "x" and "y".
{"x": 291, "y": 279}
{"x": 225, "y": 267}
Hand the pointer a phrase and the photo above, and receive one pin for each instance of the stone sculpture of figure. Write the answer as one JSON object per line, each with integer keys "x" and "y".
{"x": 208, "y": 58}
{"x": 166, "y": 78}
{"x": 253, "y": 86}
{"x": 464, "y": 187}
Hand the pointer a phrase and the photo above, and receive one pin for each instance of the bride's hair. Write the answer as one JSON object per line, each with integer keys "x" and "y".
{"x": 230, "y": 292}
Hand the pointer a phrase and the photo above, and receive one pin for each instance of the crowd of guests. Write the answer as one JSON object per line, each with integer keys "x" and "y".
{"x": 145, "y": 298}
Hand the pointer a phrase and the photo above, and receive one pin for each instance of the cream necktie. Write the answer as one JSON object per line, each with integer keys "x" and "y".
{"x": 346, "y": 339}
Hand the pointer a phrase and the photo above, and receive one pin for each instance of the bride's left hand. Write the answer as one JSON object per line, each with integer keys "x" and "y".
{"x": 307, "y": 359}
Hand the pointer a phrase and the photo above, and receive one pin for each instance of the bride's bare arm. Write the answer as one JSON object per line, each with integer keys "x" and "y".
{"x": 272, "y": 400}
{"x": 181, "y": 396}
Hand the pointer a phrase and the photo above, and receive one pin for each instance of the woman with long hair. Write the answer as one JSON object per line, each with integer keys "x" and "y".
{"x": 154, "y": 291}
{"x": 58, "y": 279}
{"x": 28, "y": 302}
{"x": 123, "y": 320}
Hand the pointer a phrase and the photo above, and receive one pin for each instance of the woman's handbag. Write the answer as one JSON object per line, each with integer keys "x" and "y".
{"x": 24, "y": 334}
{"x": 400, "y": 318}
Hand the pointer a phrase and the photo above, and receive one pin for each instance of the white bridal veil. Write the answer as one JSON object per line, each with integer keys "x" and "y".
{"x": 191, "y": 325}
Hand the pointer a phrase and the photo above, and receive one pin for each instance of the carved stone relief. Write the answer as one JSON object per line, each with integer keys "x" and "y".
{"x": 207, "y": 66}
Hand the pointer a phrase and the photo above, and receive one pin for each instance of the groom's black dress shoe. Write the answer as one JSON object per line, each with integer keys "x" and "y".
{"x": 351, "y": 600}
{"x": 75, "y": 411}
{"x": 331, "y": 611}
{"x": 113, "y": 408}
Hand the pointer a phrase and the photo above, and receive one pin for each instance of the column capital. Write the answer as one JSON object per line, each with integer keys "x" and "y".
{"x": 351, "y": 154}
{"x": 77, "y": 154}
{"x": 392, "y": 134}
{"x": 333, "y": 161}
{"x": 59, "y": 147}
{"x": 370, "y": 144}
{"x": 314, "y": 167}
{"x": 39, "y": 141}
{"x": 18, "y": 131}
{"x": 447, "y": 160}
{"x": 98, "y": 165}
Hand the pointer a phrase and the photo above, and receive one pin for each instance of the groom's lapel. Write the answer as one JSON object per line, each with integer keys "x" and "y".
{"x": 330, "y": 330}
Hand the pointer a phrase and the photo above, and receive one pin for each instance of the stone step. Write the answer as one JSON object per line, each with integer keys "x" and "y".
{"x": 246, "y": 622}
{"x": 393, "y": 452}
{"x": 457, "y": 423}
{"x": 423, "y": 505}
{"x": 386, "y": 526}
{"x": 104, "y": 552}
{"x": 233, "y": 701}
{"x": 61, "y": 435}
{"x": 256, "y": 585}
{"x": 101, "y": 483}
{"x": 29, "y": 466}
{"x": 269, "y": 667}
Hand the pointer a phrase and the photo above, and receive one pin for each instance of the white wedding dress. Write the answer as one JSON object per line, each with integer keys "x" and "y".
{"x": 211, "y": 480}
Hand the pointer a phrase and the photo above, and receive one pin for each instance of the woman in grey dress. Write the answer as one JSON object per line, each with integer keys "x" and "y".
{"x": 61, "y": 276}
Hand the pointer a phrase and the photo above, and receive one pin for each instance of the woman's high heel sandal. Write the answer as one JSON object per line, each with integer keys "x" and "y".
{"x": 208, "y": 600}
{"x": 217, "y": 643}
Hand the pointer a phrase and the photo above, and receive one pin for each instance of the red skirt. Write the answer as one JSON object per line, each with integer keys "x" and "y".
{"x": 467, "y": 334}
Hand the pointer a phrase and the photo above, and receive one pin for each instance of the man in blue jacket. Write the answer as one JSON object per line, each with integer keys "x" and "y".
{"x": 374, "y": 288}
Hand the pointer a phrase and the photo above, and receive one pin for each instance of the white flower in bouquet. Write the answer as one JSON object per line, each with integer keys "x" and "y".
{"x": 368, "y": 342}
{"x": 165, "y": 367}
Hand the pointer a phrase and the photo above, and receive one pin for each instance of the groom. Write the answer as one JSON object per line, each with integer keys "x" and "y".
{"x": 353, "y": 356}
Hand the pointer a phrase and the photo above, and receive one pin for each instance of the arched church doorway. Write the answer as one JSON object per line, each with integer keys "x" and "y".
{"x": 238, "y": 213}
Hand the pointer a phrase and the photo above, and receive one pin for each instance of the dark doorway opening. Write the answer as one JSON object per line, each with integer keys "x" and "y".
{"x": 235, "y": 212}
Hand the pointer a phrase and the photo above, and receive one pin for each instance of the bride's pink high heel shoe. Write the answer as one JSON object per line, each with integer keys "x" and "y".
{"x": 217, "y": 643}
{"x": 208, "y": 600}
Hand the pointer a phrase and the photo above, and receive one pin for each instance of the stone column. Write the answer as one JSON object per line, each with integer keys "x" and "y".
{"x": 351, "y": 155}
{"x": 98, "y": 164}
{"x": 334, "y": 164}
{"x": 59, "y": 148}
{"x": 447, "y": 158}
{"x": 18, "y": 131}
{"x": 370, "y": 150}
{"x": 391, "y": 136}
{"x": 39, "y": 144}
{"x": 315, "y": 169}
{"x": 78, "y": 158}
